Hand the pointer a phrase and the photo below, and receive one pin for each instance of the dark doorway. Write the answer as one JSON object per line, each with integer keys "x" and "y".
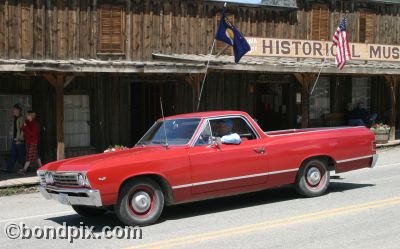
{"x": 275, "y": 107}
{"x": 146, "y": 107}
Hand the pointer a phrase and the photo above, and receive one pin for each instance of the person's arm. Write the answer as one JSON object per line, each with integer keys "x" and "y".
{"x": 233, "y": 138}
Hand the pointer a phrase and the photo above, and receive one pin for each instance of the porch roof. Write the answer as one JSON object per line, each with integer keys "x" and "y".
{"x": 98, "y": 66}
{"x": 191, "y": 63}
{"x": 285, "y": 64}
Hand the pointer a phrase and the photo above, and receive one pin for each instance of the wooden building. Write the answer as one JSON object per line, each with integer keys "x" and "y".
{"x": 94, "y": 70}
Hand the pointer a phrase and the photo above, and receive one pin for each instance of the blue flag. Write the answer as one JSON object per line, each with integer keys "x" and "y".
{"x": 231, "y": 35}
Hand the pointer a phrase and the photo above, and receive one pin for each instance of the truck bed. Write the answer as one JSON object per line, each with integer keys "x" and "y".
{"x": 291, "y": 131}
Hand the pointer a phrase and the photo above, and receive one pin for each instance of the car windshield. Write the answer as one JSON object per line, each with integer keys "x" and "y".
{"x": 178, "y": 131}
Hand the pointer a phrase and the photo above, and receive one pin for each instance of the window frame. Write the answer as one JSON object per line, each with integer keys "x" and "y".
{"x": 327, "y": 80}
{"x": 78, "y": 93}
{"x": 318, "y": 7}
{"x": 100, "y": 48}
{"x": 208, "y": 119}
{"x": 364, "y": 14}
{"x": 363, "y": 80}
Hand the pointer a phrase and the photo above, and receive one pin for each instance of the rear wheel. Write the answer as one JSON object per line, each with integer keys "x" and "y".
{"x": 313, "y": 178}
{"x": 140, "y": 202}
{"x": 87, "y": 211}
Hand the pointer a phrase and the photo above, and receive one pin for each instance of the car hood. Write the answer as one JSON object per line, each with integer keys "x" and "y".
{"x": 84, "y": 163}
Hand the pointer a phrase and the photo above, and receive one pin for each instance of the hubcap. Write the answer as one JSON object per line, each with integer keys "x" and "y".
{"x": 313, "y": 176}
{"x": 141, "y": 202}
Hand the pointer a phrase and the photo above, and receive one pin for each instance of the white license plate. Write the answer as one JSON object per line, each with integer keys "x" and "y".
{"x": 63, "y": 198}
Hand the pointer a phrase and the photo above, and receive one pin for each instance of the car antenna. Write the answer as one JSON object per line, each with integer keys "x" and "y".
{"x": 165, "y": 130}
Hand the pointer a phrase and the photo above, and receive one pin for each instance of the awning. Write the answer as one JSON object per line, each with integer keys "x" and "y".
{"x": 292, "y": 4}
{"x": 98, "y": 66}
{"x": 285, "y": 64}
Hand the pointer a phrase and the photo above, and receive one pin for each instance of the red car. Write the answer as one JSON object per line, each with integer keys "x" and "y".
{"x": 205, "y": 155}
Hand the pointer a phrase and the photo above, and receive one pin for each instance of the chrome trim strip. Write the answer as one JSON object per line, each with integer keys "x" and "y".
{"x": 234, "y": 178}
{"x": 295, "y": 131}
{"x": 354, "y": 159}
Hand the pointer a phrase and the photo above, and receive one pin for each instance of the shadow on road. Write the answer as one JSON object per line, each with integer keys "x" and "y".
{"x": 208, "y": 206}
{"x": 344, "y": 186}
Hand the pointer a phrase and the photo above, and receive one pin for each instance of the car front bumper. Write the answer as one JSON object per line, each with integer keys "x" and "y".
{"x": 374, "y": 160}
{"x": 72, "y": 196}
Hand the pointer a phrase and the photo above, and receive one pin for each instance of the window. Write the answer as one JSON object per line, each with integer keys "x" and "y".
{"x": 214, "y": 128}
{"x": 76, "y": 120}
{"x": 320, "y": 99}
{"x": 320, "y": 22}
{"x": 361, "y": 91}
{"x": 205, "y": 136}
{"x": 111, "y": 29}
{"x": 6, "y": 117}
{"x": 172, "y": 132}
{"x": 367, "y": 25}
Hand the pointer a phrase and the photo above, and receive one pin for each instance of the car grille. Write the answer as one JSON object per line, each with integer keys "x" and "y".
{"x": 42, "y": 178}
{"x": 66, "y": 179}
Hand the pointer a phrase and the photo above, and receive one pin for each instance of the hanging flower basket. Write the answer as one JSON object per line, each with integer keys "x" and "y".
{"x": 382, "y": 133}
{"x": 116, "y": 148}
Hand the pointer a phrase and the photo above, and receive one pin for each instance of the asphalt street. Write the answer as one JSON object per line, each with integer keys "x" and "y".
{"x": 360, "y": 210}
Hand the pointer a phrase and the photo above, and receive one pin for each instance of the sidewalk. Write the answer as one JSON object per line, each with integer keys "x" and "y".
{"x": 15, "y": 180}
{"x": 389, "y": 144}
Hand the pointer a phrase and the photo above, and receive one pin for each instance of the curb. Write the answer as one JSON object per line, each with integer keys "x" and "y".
{"x": 18, "y": 182}
{"x": 389, "y": 144}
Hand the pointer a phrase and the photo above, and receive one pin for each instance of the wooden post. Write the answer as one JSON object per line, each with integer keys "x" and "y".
{"x": 392, "y": 82}
{"x": 58, "y": 81}
{"x": 305, "y": 80}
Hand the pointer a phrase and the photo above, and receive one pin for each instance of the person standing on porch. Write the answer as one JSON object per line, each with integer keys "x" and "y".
{"x": 31, "y": 133}
{"x": 18, "y": 146}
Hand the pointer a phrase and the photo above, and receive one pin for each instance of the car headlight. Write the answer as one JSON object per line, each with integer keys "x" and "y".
{"x": 83, "y": 180}
{"x": 49, "y": 178}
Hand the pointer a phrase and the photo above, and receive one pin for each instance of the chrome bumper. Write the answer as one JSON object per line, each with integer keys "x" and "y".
{"x": 71, "y": 196}
{"x": 374, "y": 159}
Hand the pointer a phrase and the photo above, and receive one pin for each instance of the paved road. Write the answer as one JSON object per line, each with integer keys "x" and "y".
{"x": 361, "y": 210}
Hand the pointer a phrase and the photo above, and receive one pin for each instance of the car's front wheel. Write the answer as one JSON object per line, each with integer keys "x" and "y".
{"x": 140, "y": 202}
{"x": 87, "y": 211}
{"x": 313, "y": 178}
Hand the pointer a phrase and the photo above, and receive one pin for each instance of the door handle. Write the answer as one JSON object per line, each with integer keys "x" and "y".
{"x": 260, "y": 150}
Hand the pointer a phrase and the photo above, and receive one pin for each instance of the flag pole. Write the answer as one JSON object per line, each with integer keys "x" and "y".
{"x": 322, "y": 65}
{"x": 205, "y": 75}
{"x": 319, "y": 73}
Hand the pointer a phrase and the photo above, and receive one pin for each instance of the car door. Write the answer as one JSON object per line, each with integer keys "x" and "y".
{"x": 228, "y": 166}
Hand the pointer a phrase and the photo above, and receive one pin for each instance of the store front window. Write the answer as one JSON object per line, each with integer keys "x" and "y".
{"x": 320, "y": 99}
{"x": 76, "y": 120}
{"x": 361, "y": 91}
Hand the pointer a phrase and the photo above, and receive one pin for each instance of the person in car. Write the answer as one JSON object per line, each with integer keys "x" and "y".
{"x": 224, "y": 134}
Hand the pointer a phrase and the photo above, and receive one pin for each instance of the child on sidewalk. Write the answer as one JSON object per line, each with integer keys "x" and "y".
{"x": 31, "y": 134}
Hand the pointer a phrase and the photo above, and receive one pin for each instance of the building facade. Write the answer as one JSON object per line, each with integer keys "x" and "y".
{"x": 94, "y": 70}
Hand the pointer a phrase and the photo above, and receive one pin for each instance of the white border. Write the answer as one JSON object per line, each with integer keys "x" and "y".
{"x": 234, "y": 178}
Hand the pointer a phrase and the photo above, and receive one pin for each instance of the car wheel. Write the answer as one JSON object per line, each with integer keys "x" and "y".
{"x": 86, "y": 211}
{"x": 313, "y": 178}
{"x": 140, "y": 202}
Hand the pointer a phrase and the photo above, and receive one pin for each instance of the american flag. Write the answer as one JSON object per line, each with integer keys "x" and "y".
{"x": 342, "y": 44}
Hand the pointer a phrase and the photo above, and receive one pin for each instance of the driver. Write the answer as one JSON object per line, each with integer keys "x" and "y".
{"x": 224, "y": 134}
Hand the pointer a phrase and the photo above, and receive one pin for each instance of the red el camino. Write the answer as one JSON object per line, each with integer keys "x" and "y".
{"x": 205, "y": 155}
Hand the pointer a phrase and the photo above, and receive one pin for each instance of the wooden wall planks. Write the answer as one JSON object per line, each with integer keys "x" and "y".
{"x": 60, "y": 29}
